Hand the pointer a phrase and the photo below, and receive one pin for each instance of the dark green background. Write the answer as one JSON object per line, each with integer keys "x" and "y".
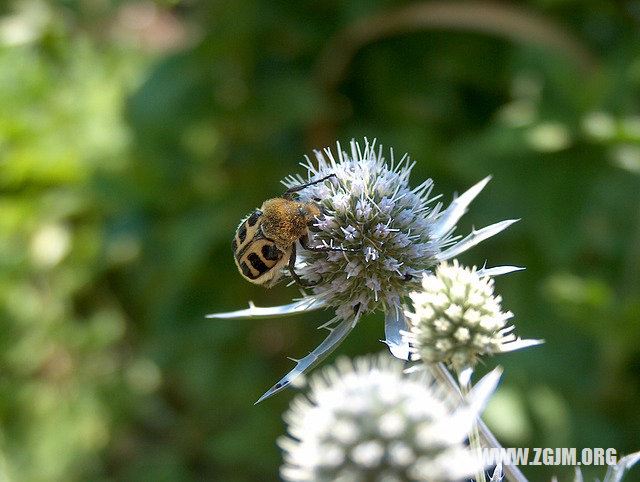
{"x": 134, "y": 136}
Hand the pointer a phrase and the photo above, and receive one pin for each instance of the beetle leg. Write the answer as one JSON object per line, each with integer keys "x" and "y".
{"x": 292, "y": 265}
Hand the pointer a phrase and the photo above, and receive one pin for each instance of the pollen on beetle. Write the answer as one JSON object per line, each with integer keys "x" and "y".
{"x": 369, "y": 420}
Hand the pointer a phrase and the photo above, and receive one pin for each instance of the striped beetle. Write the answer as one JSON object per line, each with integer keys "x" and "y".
{"x": 265, "y": 240}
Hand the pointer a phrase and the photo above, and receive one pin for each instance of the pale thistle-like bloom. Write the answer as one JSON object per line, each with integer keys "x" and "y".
{"x": 456, "y": 318}
{"x": 369, "y": 420}
{"x": 395, "y": 235}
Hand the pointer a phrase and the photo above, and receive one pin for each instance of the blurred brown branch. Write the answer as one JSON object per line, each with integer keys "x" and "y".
{"x": 514, "y": 23}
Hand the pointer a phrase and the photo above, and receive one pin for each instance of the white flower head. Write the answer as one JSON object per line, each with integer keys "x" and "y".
{"x": 392, "y": 235}
{"x": 456, "y": 318}
{"x": 372, "y": 210}
{"x": 369, "y": 420}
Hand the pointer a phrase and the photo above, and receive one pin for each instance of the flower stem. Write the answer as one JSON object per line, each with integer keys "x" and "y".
{"x": 440, "y": 372}
{"x": 474, "y": 435}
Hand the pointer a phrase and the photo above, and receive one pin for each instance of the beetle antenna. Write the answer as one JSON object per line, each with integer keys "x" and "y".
{"x": 287, "y": 194}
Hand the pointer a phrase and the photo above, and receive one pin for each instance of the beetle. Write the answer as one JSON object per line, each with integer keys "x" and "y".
{"x": 265, "y": 240}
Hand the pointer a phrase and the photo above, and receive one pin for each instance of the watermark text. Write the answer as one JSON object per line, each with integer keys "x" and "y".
{"x": 549, "y": 456}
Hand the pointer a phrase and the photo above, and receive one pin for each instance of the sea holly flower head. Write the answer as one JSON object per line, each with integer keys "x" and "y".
{"x": 369, "y": 208}
{"x": 456, "y": 318}
{"x": 393, "y": 235}
{"x": 369, "y": 420}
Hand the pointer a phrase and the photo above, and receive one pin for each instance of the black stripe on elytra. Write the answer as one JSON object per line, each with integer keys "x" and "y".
{"x": 242, "y": 233}
{"x": 271, "y": 253}
{"x": 257, "y": 235}
{"x": 257, "y": 263}
{"x": 234, "y": 245}
{"x": 247, "y": 272}
{"x": 253, "y": 219}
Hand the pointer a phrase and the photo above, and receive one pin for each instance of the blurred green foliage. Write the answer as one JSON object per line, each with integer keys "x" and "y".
{"x": 135, "y": 135}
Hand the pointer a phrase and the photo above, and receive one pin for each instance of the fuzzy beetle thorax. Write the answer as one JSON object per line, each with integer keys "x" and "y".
{"x": 285, "y": 221}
